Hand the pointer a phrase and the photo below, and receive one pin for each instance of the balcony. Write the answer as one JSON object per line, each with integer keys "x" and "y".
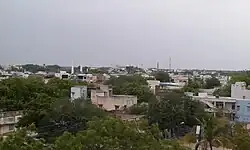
{"x": 9, "y": 120}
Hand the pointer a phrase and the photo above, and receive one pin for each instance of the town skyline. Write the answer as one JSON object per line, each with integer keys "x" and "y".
{"x": 126, "y": 32}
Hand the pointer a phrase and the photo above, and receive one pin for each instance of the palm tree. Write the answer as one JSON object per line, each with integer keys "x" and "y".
{"x": 211, "y": 133}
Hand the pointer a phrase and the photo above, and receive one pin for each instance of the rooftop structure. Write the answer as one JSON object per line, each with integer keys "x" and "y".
{"x": 105, "y": 99}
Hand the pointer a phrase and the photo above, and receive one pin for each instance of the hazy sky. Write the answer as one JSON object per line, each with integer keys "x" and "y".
{"x": 212, "y": 34}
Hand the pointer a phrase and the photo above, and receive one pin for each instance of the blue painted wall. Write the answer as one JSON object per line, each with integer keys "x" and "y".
{"x": 242, "y": 110}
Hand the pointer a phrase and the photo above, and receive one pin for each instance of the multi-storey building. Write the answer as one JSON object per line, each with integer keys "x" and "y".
{"x": 8, "y": 120}
{"x": 237, "y": 106}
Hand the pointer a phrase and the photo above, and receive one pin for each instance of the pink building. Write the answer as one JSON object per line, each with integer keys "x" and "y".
{"x": 105, "y": 99}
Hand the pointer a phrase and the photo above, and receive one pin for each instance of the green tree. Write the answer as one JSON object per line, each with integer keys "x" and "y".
{"x": 212, "y": 83}
{"x": 21, "y": 141}
{"x": 223, "y": 91}
{"x": 241, "y": 77}
{"x": 139, "y": 109}
{"x": 174, "y": 109}
{"x": 67, "y": 116}
{"x": 111, "y": 133}
{"x": 214, "y": 131}
{"x": 240, "y": 138}
{"x": 131, "y": 85}
{"x": 162, "y": 76}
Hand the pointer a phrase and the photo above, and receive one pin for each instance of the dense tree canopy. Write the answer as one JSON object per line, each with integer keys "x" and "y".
{"x": 173, "y": 110}
{"x": 162, "y": 76}
{"x": 193, "y": 85}
{"x": 112, "y": 133}
{"x": 241, "y": 77}
{"x": 66, "y": 116}
{"x": 131, "y": 85}
{"x": 212, "y": 83}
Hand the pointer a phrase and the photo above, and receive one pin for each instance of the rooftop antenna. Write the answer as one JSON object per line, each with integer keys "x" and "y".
{"x": 170, "y": 64}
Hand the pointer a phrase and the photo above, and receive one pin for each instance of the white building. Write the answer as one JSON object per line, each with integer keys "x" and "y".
{"x": 152, "y": 84}
{"x": 85, "y": 77}
{"x": 62, "y": 75}
{"x": 78, "y": 92}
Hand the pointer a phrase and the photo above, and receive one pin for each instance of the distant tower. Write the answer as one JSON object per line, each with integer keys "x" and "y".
{"x": 72, "y": 68}
{"x": 81, "y": 68}
{"x": 170, "y": 64}
{"x": 157, "y": 66}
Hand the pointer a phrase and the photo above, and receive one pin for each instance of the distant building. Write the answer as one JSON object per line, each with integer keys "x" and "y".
{"x": 85, "y": 77}
{"x": 8, "y": 120}
{"x": 104, "y": 98}
{"x": 152, "y": 84}
{"x": 238, "y": 105}
{"x": 62, "y": 75}
{"x": 78, "y": 92}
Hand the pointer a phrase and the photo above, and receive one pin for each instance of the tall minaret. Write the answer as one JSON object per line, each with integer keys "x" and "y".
{"x": 170, "y": 64}
{"x": 158, "y": 66}
{"x": 81, "y": 68}
{"x": 72, "y": 68}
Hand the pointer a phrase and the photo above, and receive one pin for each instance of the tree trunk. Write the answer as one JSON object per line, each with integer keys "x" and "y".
{"x": 211, "y": 145}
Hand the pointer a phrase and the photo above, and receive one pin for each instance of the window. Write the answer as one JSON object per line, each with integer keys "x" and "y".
{"x": 244, "y": 97}
{"x": 100, "y": 105}
{"x": 233, "y": 106}
{"x": 248, "y": 108}
{"x": 238, "y": 108}
{"x": 117, "y": 107}
{"x": 11, "y": 127}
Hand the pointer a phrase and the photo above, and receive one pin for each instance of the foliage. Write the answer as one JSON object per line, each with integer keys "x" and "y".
{"x": 212, "y": 83}
{"x": 22, "y": 93}
{"x": 61, "y": 116}
{"x": 173, "y": 109}
{"x": 214, "y": 131}
{"x": 240, "y": 139}
{"x": 189, "y": 138}
{"x": 223, "y": 91}
{"x": 131, "y": 85}
{"x": 139, "y": 109}
{"x": 193, "y": 85}
{"x": 110, "y": 133}
{"x": 241, "y": 77}
{"x": 35, "y": 68}
{"x": 162, "y": 76}
{"x": 21, "y": 141}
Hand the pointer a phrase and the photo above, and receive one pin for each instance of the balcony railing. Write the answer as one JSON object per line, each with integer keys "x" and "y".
{"x": 9, "y": 120}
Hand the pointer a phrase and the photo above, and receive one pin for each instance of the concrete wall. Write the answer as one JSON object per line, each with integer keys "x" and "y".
{"x": 242, "y": 110}
{"x": 7, "y": 128}
{"x": 152, "y": 84}
{"x": 110, "y": 103}
{"x": 78, "y": 92}
{"x": 238, "y": 90}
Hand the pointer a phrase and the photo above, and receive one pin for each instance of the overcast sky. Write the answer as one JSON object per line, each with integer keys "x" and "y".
{"x": 212, "y": 34}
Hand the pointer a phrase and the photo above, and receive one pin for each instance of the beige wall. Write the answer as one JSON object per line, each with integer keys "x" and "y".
{"x": 5, "y": 128}
{"x": 109, "y": 103}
